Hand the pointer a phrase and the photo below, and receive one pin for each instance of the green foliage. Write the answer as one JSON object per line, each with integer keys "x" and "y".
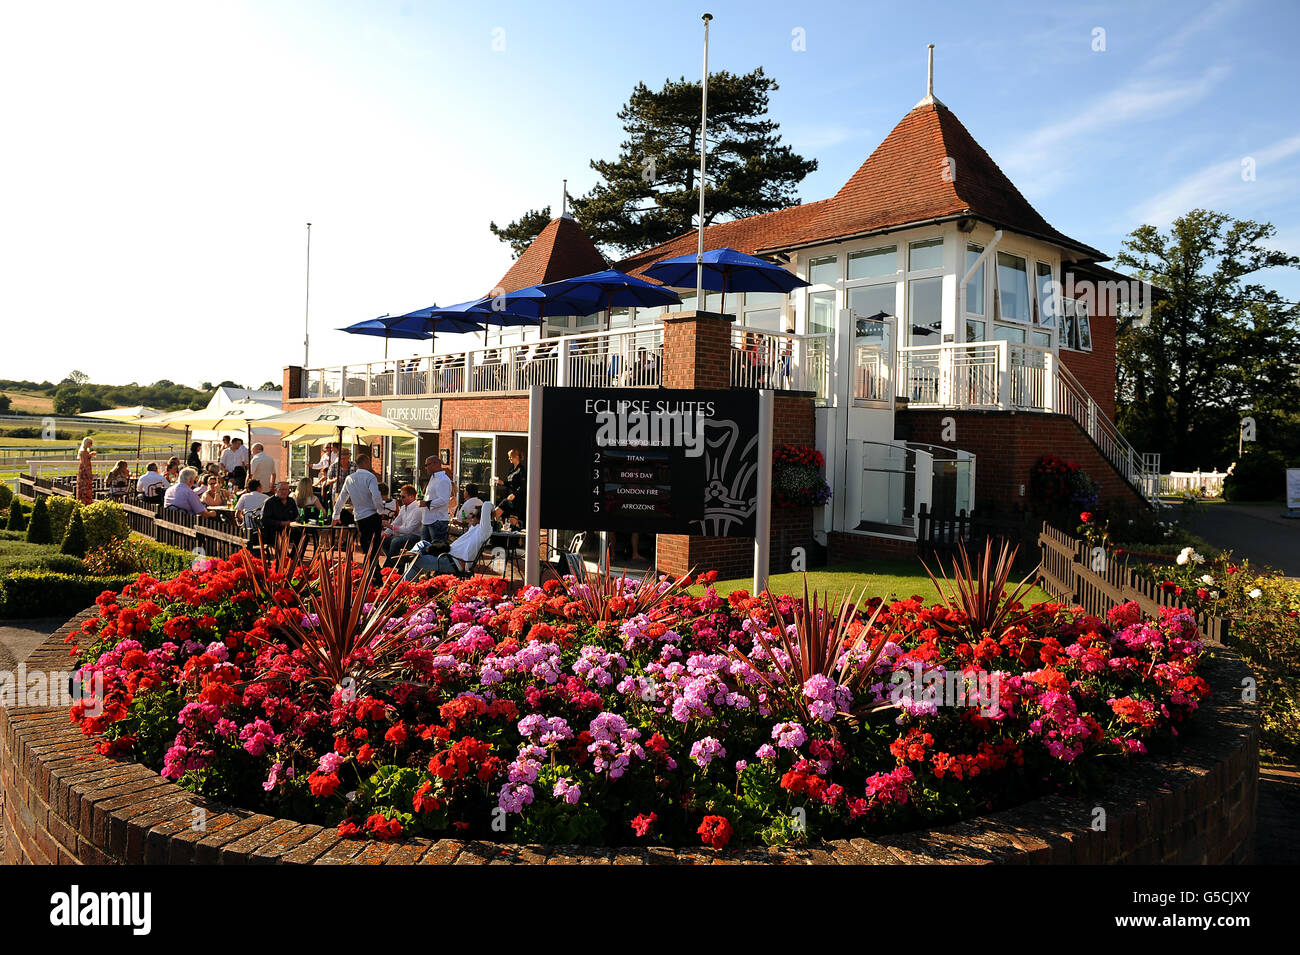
{"x": 39, "y": 593}
{"x": 1216, "y": 347}
{"x": 5, "y": 402}
{"x": 38, "y": 526}
{"x": 105, "y": 522}
{"x": 17, "y": 517}
{"x": 74, "y": 541}
{"x": 1260, "y": 475}
{"x": 17, "y": 554}
{"x": 523, "y": 230}
{"x": 60, "y": 508}
{"x": 650, "y": 193}
{"x": 6, "y": 494}
{"x": 137, "y": 555}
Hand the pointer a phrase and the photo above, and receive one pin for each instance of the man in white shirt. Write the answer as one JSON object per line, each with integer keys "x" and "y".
{"x": 248, "y": 509}
{"x": 406, "y": 527}
{"x": 471, "y": 504}
{"x": 437, "y": 501}
{"x": 361, "y": 488}
{"x": 465, "y": 549}
{"x": 235, "y": 462}
{"x": 149, "y": 480}
{"x": 261, "y": 468}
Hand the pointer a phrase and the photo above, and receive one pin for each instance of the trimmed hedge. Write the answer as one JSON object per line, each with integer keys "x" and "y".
{"x": 27, "y": 593}
{"x": 105, "y": 522}
{"x": 6, "y": 495}
{"x": 38, "y": 526}
{"x": 61, "y": 508}
{"x": 74, "y": 541}
{"x": 17, "y": 518}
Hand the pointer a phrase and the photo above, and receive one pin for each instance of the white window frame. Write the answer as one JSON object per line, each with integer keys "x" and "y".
{"x": 1001, "y": 318}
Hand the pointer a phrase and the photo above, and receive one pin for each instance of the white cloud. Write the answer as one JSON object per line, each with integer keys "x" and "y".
{"x": 1221, "y": 185}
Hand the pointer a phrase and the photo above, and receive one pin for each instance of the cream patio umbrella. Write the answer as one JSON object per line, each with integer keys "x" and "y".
{"x": 137, "y": 414}
{"x": 242, "y": 412}
{"x": 341, "y": 417}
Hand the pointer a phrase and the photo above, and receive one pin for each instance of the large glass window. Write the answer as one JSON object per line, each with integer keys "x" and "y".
{"x": 768, "y": 318}
{"x": 823, "y": 270}
{"x": 619, "y": 318}
{"x": 752, "y": 299}
{"x": 1005, "y": 333}
{"x": 1084, "y": 326}
{"x": 1047, "y": 304}
{"x": 866, "y": 301}
{"x": 975, "y": 287}
{"x": 821, "y": 313}
{"x": 474, "y": 462}
{"x": 873, "y": 263}
{"x": 402, "y": 467}
{"x": 974, "y": 331}
{"x": 926, "y": 254}
{"x": 1013, "y": 288}
{"x": 924, "y": 312}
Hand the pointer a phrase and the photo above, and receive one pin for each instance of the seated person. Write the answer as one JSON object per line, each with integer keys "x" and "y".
{"x": 465, "y": 549}
{"x": 405, "y": 528}
{"x": 389, "y": 510}
{"x": 151, "y": 485}
{"x": 248, "y": 509}
{"x": 181, "y": 497}
{"x": 214, "y": 495}
{"x": 280, "y": 511}
{"x": 472, "y": 503}
{"x": 305, "y": 497}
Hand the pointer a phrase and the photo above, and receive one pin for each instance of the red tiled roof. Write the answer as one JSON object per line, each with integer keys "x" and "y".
{"x": 560, "y": 251}
{"x": 909, "y": 179}
{"x": 904, "y": 181}
{"x": 744, "y": 235}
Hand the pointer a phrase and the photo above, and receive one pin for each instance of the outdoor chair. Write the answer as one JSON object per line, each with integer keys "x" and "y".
{"x": 569, "y": 560}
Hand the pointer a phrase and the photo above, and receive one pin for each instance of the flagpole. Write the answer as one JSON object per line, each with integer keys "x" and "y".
{"x": 704, "y": 129}
{"x": 306, "y": 337}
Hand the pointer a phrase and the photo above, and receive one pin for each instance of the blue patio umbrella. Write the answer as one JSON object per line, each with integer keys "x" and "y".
{"x": 587, "y": 294}
{"x": 726, "y": 270}
{"x": 379, "y": 327}
{"x": 452, "y": 318}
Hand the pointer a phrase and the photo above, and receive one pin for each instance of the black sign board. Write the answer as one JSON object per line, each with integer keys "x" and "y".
{"x": 658, "y": 461}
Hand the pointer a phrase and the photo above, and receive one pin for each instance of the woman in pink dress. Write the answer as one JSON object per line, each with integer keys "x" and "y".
{"x": 85, "y": 474}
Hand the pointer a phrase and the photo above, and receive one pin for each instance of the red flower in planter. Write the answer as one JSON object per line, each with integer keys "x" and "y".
{"x": 715, "y": 831}
{"x": 1086, "y": 516}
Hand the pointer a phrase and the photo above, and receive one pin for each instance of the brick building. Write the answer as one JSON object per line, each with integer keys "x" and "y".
{"x": 949, "y": 337}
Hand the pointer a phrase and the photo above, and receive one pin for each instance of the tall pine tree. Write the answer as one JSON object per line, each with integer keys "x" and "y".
{"x": 650, "y": 193}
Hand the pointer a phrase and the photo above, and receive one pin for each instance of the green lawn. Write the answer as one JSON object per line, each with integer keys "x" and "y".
{"x": 881, "y": 578}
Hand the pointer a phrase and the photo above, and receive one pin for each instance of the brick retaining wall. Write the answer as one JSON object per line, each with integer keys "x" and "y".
{"x": 65, "y": 804}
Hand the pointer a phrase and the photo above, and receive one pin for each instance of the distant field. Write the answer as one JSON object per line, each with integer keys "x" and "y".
{"x": 25, "y": 403}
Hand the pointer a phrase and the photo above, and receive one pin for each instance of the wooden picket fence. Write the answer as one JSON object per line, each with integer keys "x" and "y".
{"x": 938, "y": 535}
{"x": 173, "y": 528}
{"x": 1096, "y": 582}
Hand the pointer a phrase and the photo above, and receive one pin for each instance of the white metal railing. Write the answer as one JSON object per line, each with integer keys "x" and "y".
{"x": 1006, "y": 375}
{"x": 1203, "y": 483}
{"x": 621, "y": 358}
{"x": 778, "y": 360}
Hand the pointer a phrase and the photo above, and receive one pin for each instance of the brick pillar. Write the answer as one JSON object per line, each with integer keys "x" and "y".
{"x": 293, "y": 383}
{"x": 697, "y": 350}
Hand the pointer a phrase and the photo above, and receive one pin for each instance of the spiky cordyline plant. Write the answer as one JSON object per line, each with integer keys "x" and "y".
{"x": 821, "y": 638}
{"x": 277, "y": 563}
{"x": 594, "y": 594}
{"x": 981, "y": 593}
{"x": 360, "y": 636}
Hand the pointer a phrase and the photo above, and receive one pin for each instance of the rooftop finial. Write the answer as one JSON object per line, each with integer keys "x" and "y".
{"x": 564, "y": 200}
{"x": 929, "y": 82}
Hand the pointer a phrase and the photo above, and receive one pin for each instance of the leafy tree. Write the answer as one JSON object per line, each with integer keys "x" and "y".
{"x": 38, "y": 525}
{"x": 5, "y": 403}
{"x": 271, "y": 386}
{"x": 650, "y": 193}
{"x": 77, "y": 377}
{"x": 523, "y": 230}
{"x": 1217, "y": 345}
{"x": 74, "y": 541}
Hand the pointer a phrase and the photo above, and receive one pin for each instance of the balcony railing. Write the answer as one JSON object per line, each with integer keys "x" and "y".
{"x": 621, "y": 358}
{"x": 1021, "y": 377}
{"x": 778, "y": 360}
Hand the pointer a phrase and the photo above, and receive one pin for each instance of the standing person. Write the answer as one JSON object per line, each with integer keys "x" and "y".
{"x": 262, "y": 467}
{"x": 512, "y": 496}
{"x": 235, "y": 462}
{"x": 86, "y": 471}
{"x": 340, "y": 470}
{"x": 193, "y": 460}
{"x": 361, "y": 488}
{"x": 328, "y": 458}
{"x": 437, "y": 501}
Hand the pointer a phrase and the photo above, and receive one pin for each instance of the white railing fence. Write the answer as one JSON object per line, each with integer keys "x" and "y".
{"x": 1202, "y": 483}
{"x": 1024, "y": 377}
{"x": 778, "y": 360}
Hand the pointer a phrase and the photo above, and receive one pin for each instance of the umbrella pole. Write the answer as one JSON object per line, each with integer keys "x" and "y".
{"x": 139, "y": 441}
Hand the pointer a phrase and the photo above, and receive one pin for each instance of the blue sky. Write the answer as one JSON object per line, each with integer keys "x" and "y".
{"x": 163, "y": 158}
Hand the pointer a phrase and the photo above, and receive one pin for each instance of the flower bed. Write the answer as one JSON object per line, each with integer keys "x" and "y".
{"x": 609, "y": 713}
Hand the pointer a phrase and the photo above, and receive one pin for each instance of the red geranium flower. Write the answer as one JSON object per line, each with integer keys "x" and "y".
{"x": 715, "y": 831}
